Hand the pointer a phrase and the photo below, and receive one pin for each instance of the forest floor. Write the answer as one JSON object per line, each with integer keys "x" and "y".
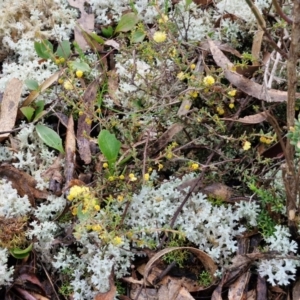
{"x": 158, "y": 157}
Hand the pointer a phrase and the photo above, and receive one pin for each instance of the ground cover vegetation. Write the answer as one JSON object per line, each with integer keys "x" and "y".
{"x": 149, "y": 148}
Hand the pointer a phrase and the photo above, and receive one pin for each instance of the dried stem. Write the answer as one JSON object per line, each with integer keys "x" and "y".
{"x": 289, "y": 174}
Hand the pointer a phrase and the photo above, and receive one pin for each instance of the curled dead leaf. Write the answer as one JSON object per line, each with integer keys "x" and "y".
{"x": 22, "y": 182}
{"x": 204, "y": 258}
{"x": 253, "y": 119}
{"x": 249, "y": 87}
{"x": 9, "y": 106}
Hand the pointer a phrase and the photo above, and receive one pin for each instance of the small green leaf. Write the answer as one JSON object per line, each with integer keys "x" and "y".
{"x": 27, "y": 111}
{"x": 82, "y": 66}
{"x": 138, "y": 36}
{"x": 63, "y": 49}
{"x": 188, "y": 3}
{"x": 21, "y": 253}
{"x": 39, "y": 115}
{"x": 127, "y": 22}
{"x": 39, "y": 106}
{"x": 32, "y": 84}
{"x": 97, "y": 38}
{"x": 107, "y": 32}
{"x": 81, "y": 215}
{"x": 109, "y": 146}
{"x": 44, "y": 49}
{"x": 49, "y": 137}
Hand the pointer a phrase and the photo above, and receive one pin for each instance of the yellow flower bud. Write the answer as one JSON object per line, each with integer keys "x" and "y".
{"x": 181, "y": 76}
{"x": 68, "y": 85}
{"x": 194, "y": 167}
{"x": 192, "y": 66}
{"x": 232, "y": 93}
{"x": 159, "y": 36}
{"x": 163, "y": 19}
{"x": 247, "y": 145}
{"x": 79, "y": 73}
{"x": 208, "y": 81}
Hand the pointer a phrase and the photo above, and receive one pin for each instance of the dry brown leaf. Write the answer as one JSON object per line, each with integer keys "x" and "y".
{"x": 253, "y": 119}
{"x": 184, "y": 107}
{"x": 113, "y": 84}
{"x": 204, "y": 258}
{"x": 141, "y": 293}
{"x": 165, "y": 138}
{"x": 173, "y": 290}
{"x": 48, "y": 82}
{"x": 70, "y": 148}
{"x": 262, "y": 290}
{"x": 24, "y": 293}
{"x": 39, "y": 296}
{"x": 83, "y": 130}
{"x": 252, "y": 295}
{"x": 247, "y": 86}
{"x": 256, "y": 46}
{"x": 296, "y": 290}
{"x": 110, "y": 295}
{"x": 85, "y": 23}
{"x": 113, "y": 44}
{"x": 53, "y": 175}
{"x": 247, "y": 71}
{"x": 133, "y": 280}
{"x": 9, "y": 106}
{"x": 224, "y": 47}
{"x": 22, "y": 182}
{"x": 238, "y": 290}
{"x": 202, "y": 2}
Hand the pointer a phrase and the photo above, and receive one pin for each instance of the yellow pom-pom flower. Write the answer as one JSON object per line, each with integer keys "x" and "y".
{"x": 231, "y": 105}
{"x": 181, "y": 76}
{"x": 159, "y": 36}
{"x": 232, "y": 93}
{"x": 120, "y": 198}
{"x": 132, "y": 177}
{"x": 68, "y": 85}
{"x": 208, "y": 81}
{"x": 77, "y": 191}
{"x": 220, "y": 111}
{"x": 163, "y": 19}
{"x": 79, "y": 73}
{"x": 194, "y": 94}
{"x": 195, "y": 167}
{"x": 246, "y": 145}
{"x": 192, "y": 66}
{"x": 117, "y": 241}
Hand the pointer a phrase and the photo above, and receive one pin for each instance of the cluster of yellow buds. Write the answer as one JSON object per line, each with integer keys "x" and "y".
{"x": 208, "y": 81}
{"x": 159, "y": 36}
{"x": 246, "y": 145}
{"x": 84, "y": 197}
{"x": 194, "y": 167}
{"x": 266, "y": 140}
{"x": 220, "y": 110}
{"x": 169, "y": 153}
